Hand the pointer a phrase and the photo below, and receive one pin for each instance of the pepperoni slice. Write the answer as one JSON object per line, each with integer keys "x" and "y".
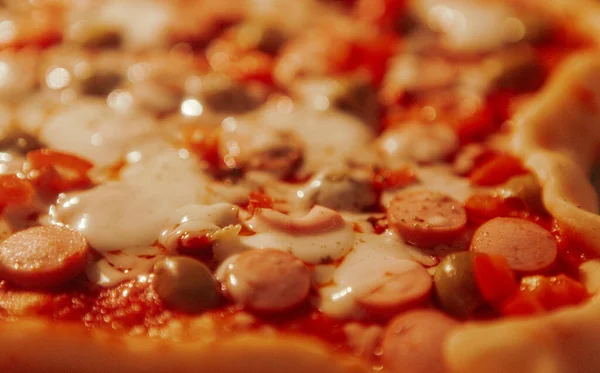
{"x": 526, "y": 246}
{"x": 426, "y": 218}
{"x": 413, "y": 342}
{"x": 43, "y": 256}
{"x": 268, "y": 280}
{"x": 406, "y": 289}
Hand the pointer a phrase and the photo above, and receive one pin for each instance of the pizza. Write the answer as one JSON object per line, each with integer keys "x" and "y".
{"x": 342, "y": 186}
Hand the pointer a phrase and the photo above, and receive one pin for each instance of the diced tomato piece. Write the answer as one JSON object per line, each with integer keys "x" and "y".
{"x": 57, "y": 171}
{"x": 386, "y": 178}
{"x": 495, "y": 279}
{"x": 258, "y": 200}
{"x": 14, "y": 190}
{"x": 556, "y": 291}
{"x": 497, "y": 170}
{"x": 541, "y": 293}
{"x": 483, "y": 207}
{"x": 370, "y": 55}
{"x": 485, "y": 121}
{"x": 522, "y": 304}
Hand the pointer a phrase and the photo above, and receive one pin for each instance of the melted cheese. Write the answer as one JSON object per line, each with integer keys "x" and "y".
{"x": 311, "y": 247}
{"x": 199, "y": 220}
{"x": 133, "y": 211}
{"x": 418, "y": 142}
{"x": 361, "y": 271}
{"x": 152, "y": 19}
{"x": 94, "y": 131}
{"x": 471, "y": 25}
{"x": 331, "y": 137}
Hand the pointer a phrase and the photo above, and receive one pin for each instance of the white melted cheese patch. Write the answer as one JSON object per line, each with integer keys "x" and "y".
{"x": 133, "y": 211}
{"x": 470, "y": 25}
{"x": 331, "y": 137}
{"x": 417, "y": 142}
{"x": 152, "y": 19}
{"x": 94, "y": 131}
{"x": 311, "y": 247}
{"x": 361, "y": 271}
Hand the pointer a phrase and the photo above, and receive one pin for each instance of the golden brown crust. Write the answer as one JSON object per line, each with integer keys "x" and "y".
{"x": 34, "y": 345}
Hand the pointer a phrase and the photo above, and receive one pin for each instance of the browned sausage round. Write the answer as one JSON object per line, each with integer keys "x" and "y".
{"x": 426, "y": 218}
{"x": 401, "y": 291}
{"x": 527, "y": 246}
{"x": 43, "y": 256}
{"x": 413, "y": 342}
{"x": 268, "y": 280}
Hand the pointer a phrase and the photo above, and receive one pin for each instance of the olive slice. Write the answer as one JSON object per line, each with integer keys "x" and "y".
{"x": 455, "y": 285}
{"x": 185, "y": 284}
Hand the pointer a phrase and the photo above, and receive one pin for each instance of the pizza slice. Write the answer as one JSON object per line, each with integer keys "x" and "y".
{"x": 310, "y": 186}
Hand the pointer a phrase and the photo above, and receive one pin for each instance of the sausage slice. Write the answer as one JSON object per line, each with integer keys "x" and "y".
{"x": 268, "y": 280}
{"x": 413, "y": 342}
{"x": 43, "y": 256}
{"x": 527, "y": 246}
{"x": 403, "y": 290}
{"x": 426, "y": 218}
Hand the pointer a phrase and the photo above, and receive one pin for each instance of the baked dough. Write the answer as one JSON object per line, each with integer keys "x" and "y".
{"x": 556, "y": 136}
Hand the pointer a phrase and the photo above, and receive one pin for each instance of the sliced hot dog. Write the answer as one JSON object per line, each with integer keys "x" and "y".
{"x": 268, "y": 280}
{"x": 426, "y": 218}
{"x": 526, "y": 246}
{"x": 403, "y": 290}
{"x": 413, "y": 342}
{"x": 43, "y": 256}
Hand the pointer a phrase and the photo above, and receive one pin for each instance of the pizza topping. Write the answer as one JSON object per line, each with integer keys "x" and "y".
{"x": 423, "y": 143}
{"x": 185, "y": 284}
{"x": 376, "y": 262}
{"x": 319, "y": 234}
{"x": 406, "y": 287}
{"x": 94, "y": 131}
{"x": 455, "y": 285}
{"x": 43, "y": 256}
{"x": 413, "y": 342}
{"x": 526, "y": 188}
{"x": 426, "y": 218}
{"x": 527, "y": 246}
{"x": 57, "y": 172}
{"x": 339, "y": 190}
{"x": 471, "y": 26}
{"x": 14, "y": 191}
{"x": 267, "y": 280}
{"x": 352, "y": 95}
{"x": 193, "y": 225}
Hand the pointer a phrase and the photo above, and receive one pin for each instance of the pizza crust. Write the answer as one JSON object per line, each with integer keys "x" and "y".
{"x": 35, "y": 345}
{"x": 556, "y": 136}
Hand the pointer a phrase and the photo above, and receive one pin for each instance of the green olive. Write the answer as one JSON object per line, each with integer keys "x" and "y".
{"x": 455, "y": 285}
{"x": 185, "y": 284}
{"x": 526, "y": 188}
